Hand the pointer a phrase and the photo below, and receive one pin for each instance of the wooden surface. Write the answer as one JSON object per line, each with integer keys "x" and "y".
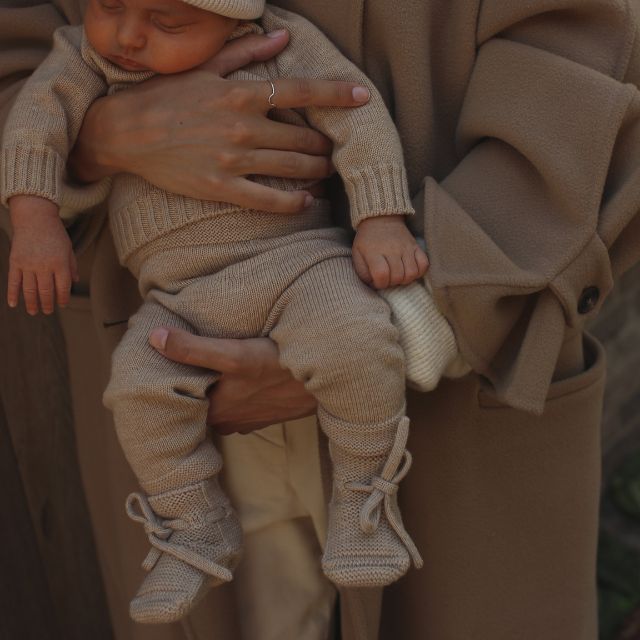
{"x": 48, "y": 552}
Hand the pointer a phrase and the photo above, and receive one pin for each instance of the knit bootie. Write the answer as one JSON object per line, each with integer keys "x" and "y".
{"x": 367, "y": 544}
{"x": 196, "y": 540}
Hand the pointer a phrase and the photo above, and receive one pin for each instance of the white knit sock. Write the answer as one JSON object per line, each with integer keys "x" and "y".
{"x": 425, "y": 336}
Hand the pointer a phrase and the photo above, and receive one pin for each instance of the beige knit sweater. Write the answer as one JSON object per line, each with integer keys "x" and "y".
{"x": 47, "y": 116}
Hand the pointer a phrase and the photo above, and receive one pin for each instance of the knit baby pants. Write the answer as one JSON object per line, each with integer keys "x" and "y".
{"x": 333, "y": 332}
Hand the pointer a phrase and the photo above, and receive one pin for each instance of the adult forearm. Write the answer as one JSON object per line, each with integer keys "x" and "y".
{"x": 98, "y": 152}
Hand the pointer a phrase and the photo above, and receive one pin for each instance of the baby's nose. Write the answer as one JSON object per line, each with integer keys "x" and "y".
{"x": 131, "y": 36}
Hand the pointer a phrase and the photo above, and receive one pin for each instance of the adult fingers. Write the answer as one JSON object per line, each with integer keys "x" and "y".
{"x": 287, "y": 164}
{"x": 250, "y": 48}
{"x": 13, "y": 286}
{"x": 30, "y": 292}
{"x": 290, "y": 137}
{"x": 209, "y": 353}
{"x": 46, "y": 291}
{"x": 252, "y": 195}
{"x": 293, "y": 93}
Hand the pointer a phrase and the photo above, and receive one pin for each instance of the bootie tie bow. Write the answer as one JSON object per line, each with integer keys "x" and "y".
{"x": 383, "y": 491}
{"x": 159, "y": 531}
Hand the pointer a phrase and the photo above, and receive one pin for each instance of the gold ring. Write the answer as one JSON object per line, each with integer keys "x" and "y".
{"x": 273, "y": 93}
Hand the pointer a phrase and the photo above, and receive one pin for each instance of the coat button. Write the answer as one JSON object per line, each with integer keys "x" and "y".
{"x": 588, "y": 300}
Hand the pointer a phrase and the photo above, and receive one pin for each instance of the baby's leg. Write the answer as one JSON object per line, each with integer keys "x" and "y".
{"x": 160, "y": 410}
{"x": 335, "y": 334}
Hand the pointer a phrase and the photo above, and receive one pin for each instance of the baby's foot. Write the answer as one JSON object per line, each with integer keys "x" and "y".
{"x": 196, "y": 539}
{"x": 367, "y": 545}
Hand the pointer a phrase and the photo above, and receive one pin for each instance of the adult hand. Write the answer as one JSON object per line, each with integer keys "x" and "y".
{"x": 200, "y": 135}
{"x": 253, "y": 391}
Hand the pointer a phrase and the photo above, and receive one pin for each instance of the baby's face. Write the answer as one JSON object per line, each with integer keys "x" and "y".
{"x": 165, "y": 36}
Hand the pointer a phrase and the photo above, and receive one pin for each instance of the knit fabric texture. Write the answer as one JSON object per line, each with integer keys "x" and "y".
{"x": 367, "y": 545}
{"x": 241, "y": 9}
{"x": 425, "y": 336}
{"x": 216, "y": 269}
{"x": 196, "y": 541}
{"x": 333, "y": 332}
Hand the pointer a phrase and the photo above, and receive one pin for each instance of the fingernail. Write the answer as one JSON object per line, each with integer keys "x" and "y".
{"x": 158, "y": 339}
{"x": 276, "y": 34}
{"x": 308, "y": 200}
{"x": 360, "y": 94}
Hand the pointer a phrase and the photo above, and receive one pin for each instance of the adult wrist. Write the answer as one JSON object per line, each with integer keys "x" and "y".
{"x": 95, "y": 154}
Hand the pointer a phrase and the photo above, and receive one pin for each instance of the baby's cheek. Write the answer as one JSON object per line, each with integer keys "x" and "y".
{"x": 99, "y": 31}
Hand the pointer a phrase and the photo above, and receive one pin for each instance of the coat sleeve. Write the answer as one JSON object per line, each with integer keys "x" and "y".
{"x": 43, "y": 124}
{"x": 367, "y": 152}
{"x": 527, "y": 233}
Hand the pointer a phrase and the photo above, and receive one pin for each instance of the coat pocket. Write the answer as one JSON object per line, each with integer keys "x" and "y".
{"x": 590, "y": 380}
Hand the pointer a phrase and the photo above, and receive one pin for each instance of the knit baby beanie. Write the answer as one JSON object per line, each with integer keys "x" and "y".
{"x": 240, "y": 9}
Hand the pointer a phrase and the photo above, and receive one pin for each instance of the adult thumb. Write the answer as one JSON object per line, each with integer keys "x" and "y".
{"x": 249, "y": 48}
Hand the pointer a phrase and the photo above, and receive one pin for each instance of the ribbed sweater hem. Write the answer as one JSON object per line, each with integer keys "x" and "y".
{"x": 208, "y": 225}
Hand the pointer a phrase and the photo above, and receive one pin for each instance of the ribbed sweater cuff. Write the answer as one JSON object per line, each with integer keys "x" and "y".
{"x": 31, "y": 171}
{"x": 378, "y": 191}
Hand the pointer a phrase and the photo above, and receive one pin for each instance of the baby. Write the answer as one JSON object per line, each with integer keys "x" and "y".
{"x": 219, "y": 270}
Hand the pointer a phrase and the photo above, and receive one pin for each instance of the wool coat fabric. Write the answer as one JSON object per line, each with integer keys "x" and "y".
{"x": 520, "y": 128}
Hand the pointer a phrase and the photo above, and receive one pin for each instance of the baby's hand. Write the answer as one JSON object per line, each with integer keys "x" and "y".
{"x": 385, "y": 253}
{"x": 41, "y": 262}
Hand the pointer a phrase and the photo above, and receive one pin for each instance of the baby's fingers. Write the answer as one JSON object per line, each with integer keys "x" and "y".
{"x": 46, "y": 291}
{"x": 396, "y": 270}
{"x": 422, "y": 261}
{"x": 73, "y": 265}
{"x": 415, "y": 265}
{"x": 30, "y": 292}
{"x": 13, "y": 286}
{"x": 380, "y": 271}
{"x": 62, "y": 279}
{"x": 360, "y": 265}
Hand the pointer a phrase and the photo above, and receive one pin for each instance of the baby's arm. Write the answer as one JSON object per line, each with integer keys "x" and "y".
{"x": 42, "y": 127}
{"x": 367, "y": 154}
{"x": 41, "y": 262}
{"x": 37, "y": 137}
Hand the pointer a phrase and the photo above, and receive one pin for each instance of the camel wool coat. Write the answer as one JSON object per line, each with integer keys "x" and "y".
{"x": 520, "y": 123}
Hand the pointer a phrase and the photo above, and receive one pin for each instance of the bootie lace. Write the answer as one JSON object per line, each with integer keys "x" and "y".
{"x": 158, "y": 532}
{"x": 383, "y": 490}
